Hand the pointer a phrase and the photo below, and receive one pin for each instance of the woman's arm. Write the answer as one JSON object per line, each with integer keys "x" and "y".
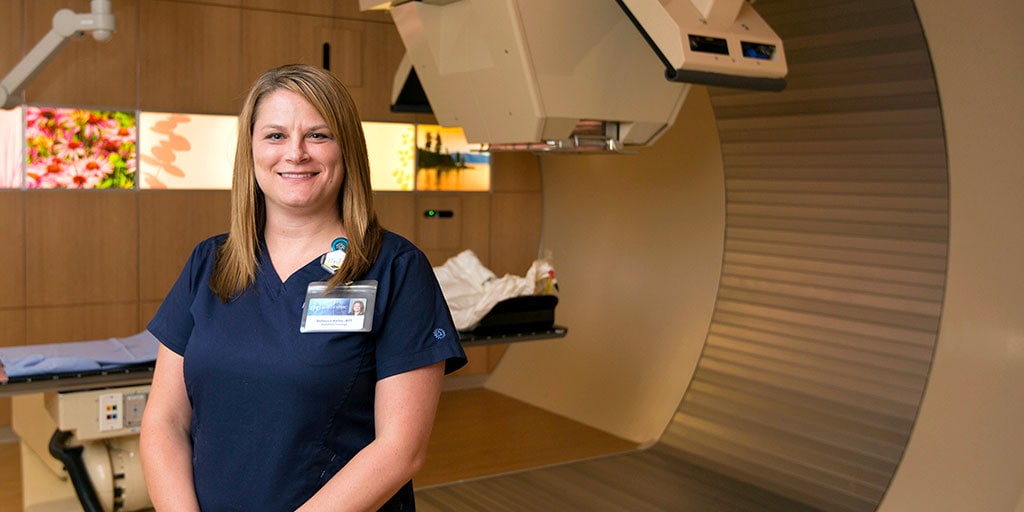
{"x": 166, "y": 447}
{"x": 404, "y": 409}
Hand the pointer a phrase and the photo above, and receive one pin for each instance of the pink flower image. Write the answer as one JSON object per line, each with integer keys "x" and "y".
{"x": 47, "y": 120}
{"x": 117, "y": 135}
{"x": 86, "y": 173}
{"x": 46, "y": 173}
{"x": 68, "y": 148}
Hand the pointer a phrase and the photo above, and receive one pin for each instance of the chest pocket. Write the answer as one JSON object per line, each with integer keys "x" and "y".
{"x": 334, "y": 348}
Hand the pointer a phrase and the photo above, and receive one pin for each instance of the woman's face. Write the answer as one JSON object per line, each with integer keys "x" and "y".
{"x": 297, "y": 160}
{"x": 357, "y": 307}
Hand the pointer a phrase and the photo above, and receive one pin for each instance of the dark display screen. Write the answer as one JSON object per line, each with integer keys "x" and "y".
{"x": 758, "y": 50}
{"x": 707, "y": 44}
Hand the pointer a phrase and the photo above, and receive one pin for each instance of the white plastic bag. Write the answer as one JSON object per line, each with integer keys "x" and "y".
{"x": 471, "y": 289}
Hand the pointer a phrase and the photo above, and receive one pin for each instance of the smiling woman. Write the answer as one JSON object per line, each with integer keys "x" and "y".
{"x": 337, "y": 414}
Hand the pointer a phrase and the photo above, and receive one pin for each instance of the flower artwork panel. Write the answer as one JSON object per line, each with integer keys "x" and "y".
{"x": 446, "y": 161}
{"x": 186, "y": 151}
{"x": 11, "y": 146}
{"x": 79, "y": 149}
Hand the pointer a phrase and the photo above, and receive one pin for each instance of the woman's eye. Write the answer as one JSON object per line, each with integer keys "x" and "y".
{"x": 319, "y": 136}
{"x": 275, "y": 136}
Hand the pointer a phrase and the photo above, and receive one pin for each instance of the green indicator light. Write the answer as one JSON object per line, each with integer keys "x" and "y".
{"x": 431, "y": 213}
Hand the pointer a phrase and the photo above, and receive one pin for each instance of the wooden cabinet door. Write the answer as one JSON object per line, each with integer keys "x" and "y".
{"x": 189, "y": 58}
{"x": 272, "y": 39}
{"x": 443, "y": 236}
{"x": 365, "y": 56}
{"x": 12, "y": 249}
{"x": 11, "y": 35}
{"x": 86, "y": 73}
{"x": 81, "y": 247}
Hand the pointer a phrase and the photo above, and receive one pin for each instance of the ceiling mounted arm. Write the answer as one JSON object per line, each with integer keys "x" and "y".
{"x": 66, "y": 24}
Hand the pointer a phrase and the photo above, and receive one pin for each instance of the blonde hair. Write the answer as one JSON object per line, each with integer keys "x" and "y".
{"x": 236, "y": 264}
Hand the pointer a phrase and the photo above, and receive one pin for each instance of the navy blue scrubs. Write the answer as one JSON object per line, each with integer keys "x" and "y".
{"x": 275, "y": 412}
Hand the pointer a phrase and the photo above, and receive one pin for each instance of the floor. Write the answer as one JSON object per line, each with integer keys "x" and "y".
{"x": 653, "y": 480}
{"x": 481, "y": 433}
{"x": 489, "y": 452}
{"x": 478, "y": 433}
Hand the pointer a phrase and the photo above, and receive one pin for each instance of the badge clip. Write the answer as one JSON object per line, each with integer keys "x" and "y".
{"x": 332, "y": 261}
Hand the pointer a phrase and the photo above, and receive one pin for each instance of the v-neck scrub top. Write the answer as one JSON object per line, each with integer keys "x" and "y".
{"x": 275, "y": 412}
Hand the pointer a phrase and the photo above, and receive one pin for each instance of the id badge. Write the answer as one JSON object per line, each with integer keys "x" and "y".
{"x": 345, "y": 308}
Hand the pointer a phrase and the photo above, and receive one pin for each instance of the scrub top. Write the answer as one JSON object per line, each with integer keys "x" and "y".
{"x": 275, "y": 412}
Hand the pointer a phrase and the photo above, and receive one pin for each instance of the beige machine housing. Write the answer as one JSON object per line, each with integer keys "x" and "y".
{"x": 105, "y": 423}
{"x": 571, "y": 74}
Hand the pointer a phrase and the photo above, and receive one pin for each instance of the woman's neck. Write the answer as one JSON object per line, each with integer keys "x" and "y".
{"x": 292, "y": 242}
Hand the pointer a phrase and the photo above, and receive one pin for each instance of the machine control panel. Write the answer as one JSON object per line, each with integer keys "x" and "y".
{"x": 111, "y": 412}
{"x": 134, "y": 404}
{"x": 101, "y": 413}
{"x": 119, "y": 411}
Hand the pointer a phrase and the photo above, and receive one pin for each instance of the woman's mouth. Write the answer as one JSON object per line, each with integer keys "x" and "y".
{"x": 297, "y": 175}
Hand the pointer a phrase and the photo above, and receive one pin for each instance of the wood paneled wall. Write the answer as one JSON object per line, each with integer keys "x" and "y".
{"x": 835, "y": 256}
{"x": 80, "y": 265}
{"x": 199, "y": 56}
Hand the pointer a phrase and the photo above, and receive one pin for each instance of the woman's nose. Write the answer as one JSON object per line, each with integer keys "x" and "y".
{"x": 297, "y": 150}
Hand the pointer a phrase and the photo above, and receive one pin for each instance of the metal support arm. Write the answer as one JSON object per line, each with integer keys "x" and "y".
{"x": 66, "y": 23}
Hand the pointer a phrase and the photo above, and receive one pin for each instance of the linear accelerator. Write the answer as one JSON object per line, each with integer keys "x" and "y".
{"x": 533, "y": 75}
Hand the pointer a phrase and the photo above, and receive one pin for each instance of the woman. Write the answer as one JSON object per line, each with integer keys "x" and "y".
{"x": 256, "y": 405}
